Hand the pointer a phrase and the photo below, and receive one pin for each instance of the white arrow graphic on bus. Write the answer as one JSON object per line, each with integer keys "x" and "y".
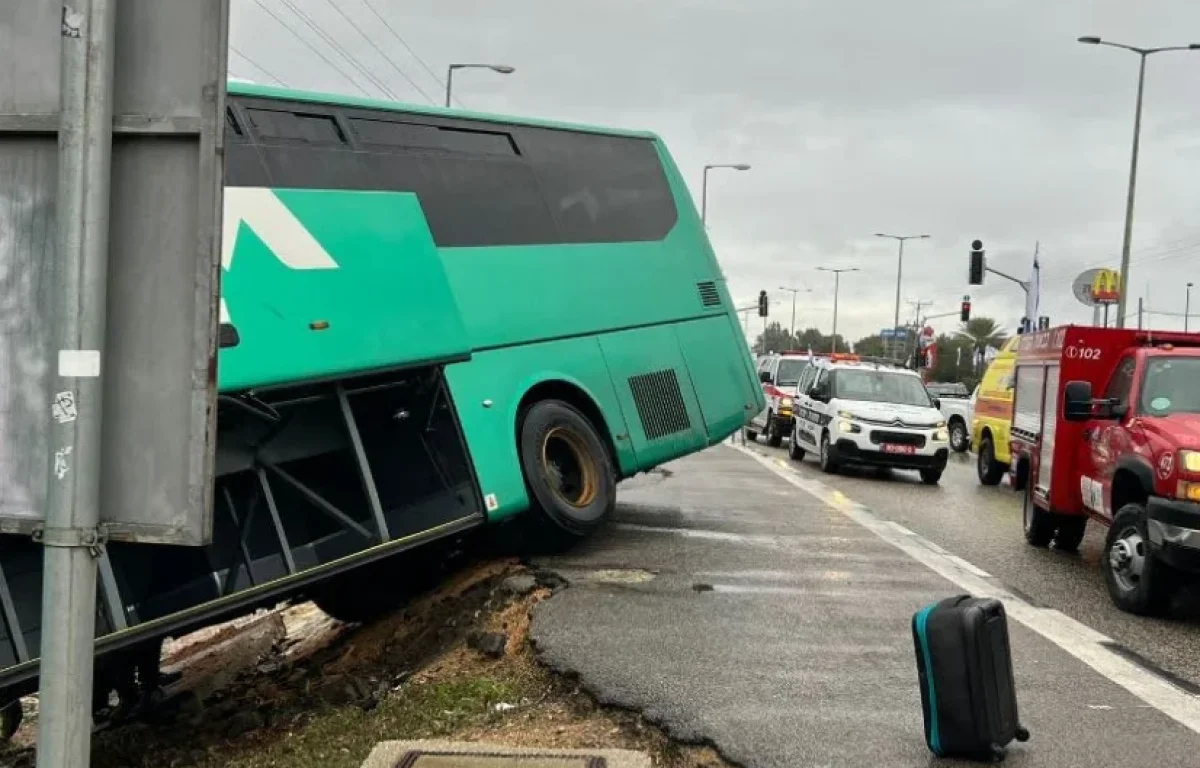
{"x": 273, "y": 222}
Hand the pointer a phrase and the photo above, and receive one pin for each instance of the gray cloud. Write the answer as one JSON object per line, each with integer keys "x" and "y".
{"x": 982, "y": 119}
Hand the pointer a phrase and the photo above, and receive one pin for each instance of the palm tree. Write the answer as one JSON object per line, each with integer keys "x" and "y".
{"x": 982, "y": 332}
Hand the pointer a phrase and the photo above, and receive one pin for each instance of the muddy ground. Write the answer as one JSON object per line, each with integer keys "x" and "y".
{"x": 294, "y": 687}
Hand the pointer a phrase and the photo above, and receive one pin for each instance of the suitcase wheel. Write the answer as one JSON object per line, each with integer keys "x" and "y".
{"x": 1022, "y": 733}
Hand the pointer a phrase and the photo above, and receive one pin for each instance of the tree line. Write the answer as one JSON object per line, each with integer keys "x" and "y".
{"x": 959, "y": 355}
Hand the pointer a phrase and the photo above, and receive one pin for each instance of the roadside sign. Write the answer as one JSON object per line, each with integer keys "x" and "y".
{"x": 157, "y": 364}
{"x": 1097, "y": 287}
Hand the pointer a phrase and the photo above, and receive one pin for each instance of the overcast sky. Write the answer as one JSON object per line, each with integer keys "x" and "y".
{"x": 956, "y": 118}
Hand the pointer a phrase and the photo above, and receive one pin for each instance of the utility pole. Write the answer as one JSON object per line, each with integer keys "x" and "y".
{"x": 837, "y": 274}
{"x": 1141, "y": 313}
{"x": 794, "y": 291}
{"x": 704, "y": 186}
{"x": 899, "y": 268}
{"x": 1187, "y": 306}
{"x": 1142, "y": 53}
{"x": 71, "y": 536}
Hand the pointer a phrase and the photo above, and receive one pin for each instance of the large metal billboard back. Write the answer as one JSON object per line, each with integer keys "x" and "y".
{"x": 159, "y": 364}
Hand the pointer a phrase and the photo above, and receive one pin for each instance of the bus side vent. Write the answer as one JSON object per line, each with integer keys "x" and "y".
{"x": 659, "y": 403}
{"x": 709, "y": 296}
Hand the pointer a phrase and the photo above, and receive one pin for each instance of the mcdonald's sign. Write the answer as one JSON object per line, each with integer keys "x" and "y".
{"x": 1106, "y": 286}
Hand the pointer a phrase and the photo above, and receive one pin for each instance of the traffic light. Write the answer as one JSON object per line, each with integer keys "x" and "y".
{"x": 762, "y": 303}
{"x": 975, "y": 269}
{"x": 966, "y": 309}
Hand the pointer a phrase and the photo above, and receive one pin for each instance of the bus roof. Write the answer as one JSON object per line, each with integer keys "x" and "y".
{"x": 243, "y": 88}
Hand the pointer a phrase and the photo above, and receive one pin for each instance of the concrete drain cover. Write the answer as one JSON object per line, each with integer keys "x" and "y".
{"x": 443, "y": 754}
{"x": 469, "y": 760}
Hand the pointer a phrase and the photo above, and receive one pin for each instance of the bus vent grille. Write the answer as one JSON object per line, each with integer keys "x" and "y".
{"x": 709, "y": 296}
{"x": 659, "y": 403}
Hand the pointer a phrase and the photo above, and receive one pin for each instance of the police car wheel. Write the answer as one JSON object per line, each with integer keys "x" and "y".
{"x": 795, "y": 452}
{"x": 828, "y": 463}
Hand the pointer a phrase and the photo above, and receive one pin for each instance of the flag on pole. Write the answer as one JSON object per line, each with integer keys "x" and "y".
{"x": 1032, "y": 293}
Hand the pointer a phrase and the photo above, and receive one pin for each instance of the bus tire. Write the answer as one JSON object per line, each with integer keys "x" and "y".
{"x": 568, "y": 471}
{"x": 990, "y": 471}
{"x": 1138, "y": 581}
{"x": 1037, "y": 522}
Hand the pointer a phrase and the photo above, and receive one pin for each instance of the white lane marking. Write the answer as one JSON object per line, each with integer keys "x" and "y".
{"x": 1076, "y": 638}
{"x": 975, "y": 569}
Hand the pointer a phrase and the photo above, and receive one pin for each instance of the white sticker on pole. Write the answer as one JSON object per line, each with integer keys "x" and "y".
{"x": 79, "y": 363}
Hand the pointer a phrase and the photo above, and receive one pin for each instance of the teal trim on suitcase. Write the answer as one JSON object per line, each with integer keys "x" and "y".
{"x": 935, "y": 741}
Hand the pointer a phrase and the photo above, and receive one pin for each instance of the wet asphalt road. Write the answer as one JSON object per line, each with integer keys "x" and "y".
{"x": 735, "y": 608}
{"x": 983, "y": 525}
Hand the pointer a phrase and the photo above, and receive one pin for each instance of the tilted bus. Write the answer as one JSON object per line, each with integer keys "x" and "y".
{"x": 431, "y": 321}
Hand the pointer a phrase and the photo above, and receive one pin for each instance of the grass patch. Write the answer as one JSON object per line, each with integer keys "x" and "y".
{"x": 345, "y": 736}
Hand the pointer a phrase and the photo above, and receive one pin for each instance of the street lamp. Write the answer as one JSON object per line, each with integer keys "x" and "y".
{"x": 794, "y": 291}
{"x": 1133, "y": 161}
{"x": 837, "y": 275}
{"x": 704, "y": 186}
{"x": 502, "y": 69}
{"x": 899, "y": 268}
{"x": 1187, "y": 305}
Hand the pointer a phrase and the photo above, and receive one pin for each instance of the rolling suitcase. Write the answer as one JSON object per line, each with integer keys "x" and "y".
{"x": 964, "y": 664}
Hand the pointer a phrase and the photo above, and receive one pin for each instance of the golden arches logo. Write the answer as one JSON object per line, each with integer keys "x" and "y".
{"x": 1106, "y": 286}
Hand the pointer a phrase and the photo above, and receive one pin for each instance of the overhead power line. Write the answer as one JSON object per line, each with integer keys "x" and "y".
{"x": 311, "y": 47}
{"x": 233, "y": 49}
{"x": 381, "y": 52}
{"x": 329, "y": 40}
{"x": 387, "y": 25}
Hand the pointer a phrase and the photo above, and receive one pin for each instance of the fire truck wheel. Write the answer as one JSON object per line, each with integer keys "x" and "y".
{"x": 1138, "y": 582}
{"x": 990, "y": 471}
{"x": 774, "y": 438}
{"x": 795, "y": 452}
{"x": 959, "y": 440}
{"x": 1070, "y": 532}
{"x": 828, "y": 463}
{"x": 1039, "y": 524}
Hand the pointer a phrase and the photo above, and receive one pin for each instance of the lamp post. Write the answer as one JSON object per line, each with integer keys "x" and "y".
{"x": 899, "y": 268}
{"x": 837, "y": 275}
{"x": 704, "y": 186}
{"x": 502, "y": 69}
{"x": 794, "y": 291}
{"x": 1133, "y": 160}
{"x": 1187, "y": 306}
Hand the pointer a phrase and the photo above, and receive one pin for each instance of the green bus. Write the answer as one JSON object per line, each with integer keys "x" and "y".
{"x": 431, "y": 320}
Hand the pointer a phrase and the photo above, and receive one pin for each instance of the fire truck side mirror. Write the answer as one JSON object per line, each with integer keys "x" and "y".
{"x": 1077, "y": 401}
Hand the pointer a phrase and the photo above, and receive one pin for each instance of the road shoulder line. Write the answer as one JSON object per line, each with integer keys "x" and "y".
{"x": 1079, "y": 640}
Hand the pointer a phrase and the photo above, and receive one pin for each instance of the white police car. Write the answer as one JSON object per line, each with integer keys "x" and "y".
{"x": 851, "y": 412}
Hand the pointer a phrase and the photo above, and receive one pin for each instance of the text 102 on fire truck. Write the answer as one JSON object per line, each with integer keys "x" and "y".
{"x": 1128, "y": 458}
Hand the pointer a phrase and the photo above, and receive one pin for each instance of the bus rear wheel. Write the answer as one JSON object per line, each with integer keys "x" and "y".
{"x": 568, "y": 471}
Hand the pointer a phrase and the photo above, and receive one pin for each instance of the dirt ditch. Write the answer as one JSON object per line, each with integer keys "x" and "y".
{"x": 293, "y": 687}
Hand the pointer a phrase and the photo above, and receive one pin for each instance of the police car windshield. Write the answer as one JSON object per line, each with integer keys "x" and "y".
{"x": 880, "y": 387}
{"x": 1170, "y": 386}
{"x": 789, "y": 372}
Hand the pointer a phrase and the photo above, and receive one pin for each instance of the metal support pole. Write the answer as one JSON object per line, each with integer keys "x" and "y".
{"x": 1141, "y": 313}
{"x": 1187, "y": 306}
{"x": 899, "y": 272}
{"x": 70, "y": 535}
{"x": 449, "y": 83}
{"x": 1133, "y": 164}
{"x": 836, "y": 285}
{"x": 704, "y": 198}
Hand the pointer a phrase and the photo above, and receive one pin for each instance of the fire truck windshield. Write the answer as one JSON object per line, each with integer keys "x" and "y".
{"x": 880, "y": 387}
{"x": 1171, "y": 385}
{"x": 789, "y": 372}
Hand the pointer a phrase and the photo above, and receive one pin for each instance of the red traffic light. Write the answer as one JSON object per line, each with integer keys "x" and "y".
{"x": 966, "y": 311}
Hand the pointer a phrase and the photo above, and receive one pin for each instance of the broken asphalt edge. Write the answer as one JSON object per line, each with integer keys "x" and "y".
{"x": 687, "y": 737}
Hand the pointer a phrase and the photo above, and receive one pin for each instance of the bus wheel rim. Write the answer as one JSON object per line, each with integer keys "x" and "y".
{"x": 570, "y": 471}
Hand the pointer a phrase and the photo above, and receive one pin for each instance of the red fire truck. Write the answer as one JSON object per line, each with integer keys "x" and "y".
{"x": 1106, "y": 425}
